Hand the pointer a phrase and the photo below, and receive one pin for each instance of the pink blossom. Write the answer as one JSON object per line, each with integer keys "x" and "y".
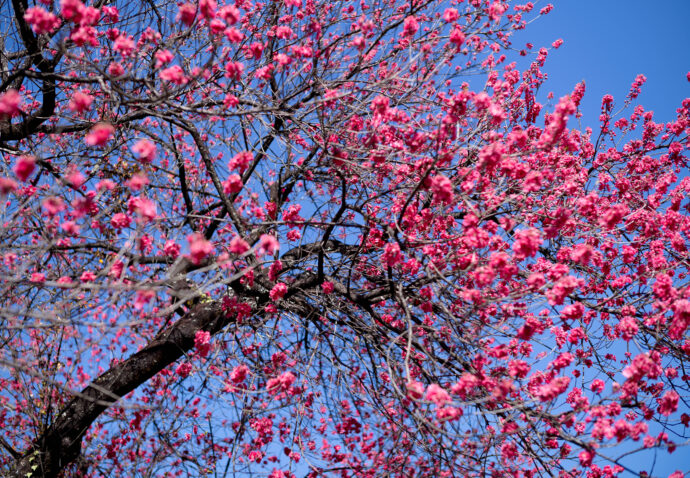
{"x": 391, "y": 254}
{"x": 202, "y": 342}
{"x": 271, "y": 209}
{"x": 239, "y": 374}
{"x": 627, "y": 328}
{"x": 241, "y": 161}
{"x": 597, "y": 386}
{"x": 238, "y": 245}
{"x": 281, "y": 383}
{"x": 137, "y": 181}
{"x": 99, "y": 134}
{"x": 282, "y": 59}
{"x": 641, "y": 366}
{"x": 89, "y": 16}
{"x": 80, "y": 101}
{"x": 120, "y": 220}
{"x": 10, "y": 104}
{"x": 124, "y": 45}
{"x": 53, "y": 205}
{"x": 532, "y": 182}
{"x": 527, "y": 242}
{"x": 146, "y": 150}
{"x": 233, "y": 70}
{"x": 518, "y": 368}
{"x": 174, "y": 74}
{"x": 668, "y": 403}
{"x": 410, "y": 26}
{"x": 265, "y": 72}
{"x": 436, "y": 394}
{"x": 557, "y": 123}
{"x": 450, "y": 15}
{"x": 613, "y": 215}
{"x": 233, "y": 35}
{"x": 199, "y": 248}
{"x": 582, "y": 254}
{"x": 293, "y": 235}
{"x": 70, "y": 227}
{"x": 268, "y": 244}
{"x": 681, "y": 319}
{"x": 457, "y": 36}
{"x": 71, "y": 9}
{"x": 491, "y": 155}
{"x": 586, "y": 458}
{"x": 105, "y": 185}
{"x": 531, "y": 327}
{"x": 496, "y": 9}
{"x": 562, "y": 361}
{"x": 442, "y": 189}
{"x": 84, "y": 35}
{"x": 144, "y": 207}
{"x": 184, "y": 369}
{"x": 24, "y": 167}
{"x": 278, "y": 292}
{"x": 116, "y": 269}
{"x": 415, "y": 389}
{"x": 256, "y": 49}
{"x": 563, "y": 288}
{"x": 482, "y": 101}
{"x": 207, "y": 8}
{"x": 509, "y": 451}
{"x": 7, "y": 186}
{"x": 74, "y": 178}
{"x": 111, "y": 13}
{"x": 230, "y": 101}
{"x": 233, "y": 184}
{"x": 663, "y": 287}
{"x": 327, "y": 287}
{"x": 448, "y": 414}
{"x": 142, "y": 298}
{"x": 163, "y": 57}
{"x": 380, "y": 104}
{"x": 291, "y": 214}
{"x": 573, "y": 311}
{"x": 41, "y": 20}
{"x": 284, "y": 32}
{"x": 274, "y": 270}
{"x": 65, "y": 281}
{"x": 87, "y": 276}
{"x": 38, "y": 277}
{"x": 553, "y": 389}
{"x": 186, "y": 13}
{"x": 171, "y": 248}
{"x": 115, "y": 69}
{"x": 230, "y": 14}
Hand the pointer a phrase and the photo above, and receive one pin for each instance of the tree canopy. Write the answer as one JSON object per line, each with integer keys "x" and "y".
{"x": 329, "y": 238}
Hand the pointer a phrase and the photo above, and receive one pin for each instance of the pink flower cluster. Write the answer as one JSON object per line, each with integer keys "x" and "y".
{"x": 202, "y": 342}
{"x": 41, "y": 20}
{"x": 278, "y": 292}
{"x": 199, "y": 248}
{"x": 10, "y": 104}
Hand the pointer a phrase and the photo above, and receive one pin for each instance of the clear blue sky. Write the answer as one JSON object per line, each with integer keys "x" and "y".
{"x": 609, "y": 42}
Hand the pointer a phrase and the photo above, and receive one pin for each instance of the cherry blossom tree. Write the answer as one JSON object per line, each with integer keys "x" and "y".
{"x": 306, "y": 238}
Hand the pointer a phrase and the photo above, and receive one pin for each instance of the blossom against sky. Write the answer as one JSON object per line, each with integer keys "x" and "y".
{"x": 608, "y": 43}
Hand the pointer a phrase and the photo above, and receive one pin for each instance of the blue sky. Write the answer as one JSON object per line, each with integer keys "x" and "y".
{"x": 609, "y": 42}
